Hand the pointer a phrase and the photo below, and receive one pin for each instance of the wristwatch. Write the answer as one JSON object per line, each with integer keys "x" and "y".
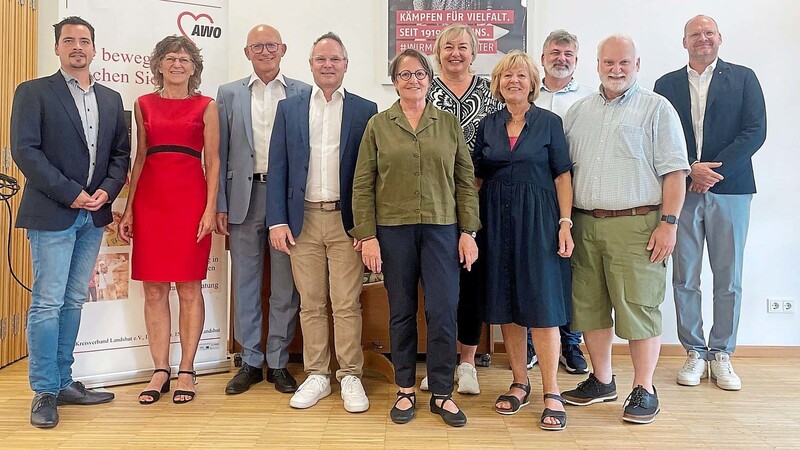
{"x": 670, "y": 219}
{"x": 469, "y": 232}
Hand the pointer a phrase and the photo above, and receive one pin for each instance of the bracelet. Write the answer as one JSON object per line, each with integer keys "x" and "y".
{"x": 565, "y": 219}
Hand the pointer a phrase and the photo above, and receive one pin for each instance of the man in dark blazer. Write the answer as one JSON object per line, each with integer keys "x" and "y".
{"x": 312, "y": 159}
{"x": 246, "y": 116}
{"x": 70, "y": 139}
{"x": 724, "y": 119}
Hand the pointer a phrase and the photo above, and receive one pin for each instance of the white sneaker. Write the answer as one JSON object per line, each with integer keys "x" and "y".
{"x": 693, "y": 370}
{"x": 467, "y": 379}
{"x": 314, "y": 389}
{"x": 722, "y": 371}
{"x": 355, "y": 399}
{"x": 423, "y": 385}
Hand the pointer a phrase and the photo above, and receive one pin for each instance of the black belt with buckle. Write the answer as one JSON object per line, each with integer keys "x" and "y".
{"x": 260, "y": 177}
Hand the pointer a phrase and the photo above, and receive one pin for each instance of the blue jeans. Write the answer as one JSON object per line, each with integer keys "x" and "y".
{"x": 62, "y": 266}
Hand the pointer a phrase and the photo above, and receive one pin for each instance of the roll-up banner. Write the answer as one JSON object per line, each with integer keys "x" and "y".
{"x": 112, "y": 346}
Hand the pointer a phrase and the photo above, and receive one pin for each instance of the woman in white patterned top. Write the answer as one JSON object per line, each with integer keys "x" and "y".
{"x": 467, "y": 96}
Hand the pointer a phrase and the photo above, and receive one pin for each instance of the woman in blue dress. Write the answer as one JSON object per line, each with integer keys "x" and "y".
{"x": 522, "y": 157}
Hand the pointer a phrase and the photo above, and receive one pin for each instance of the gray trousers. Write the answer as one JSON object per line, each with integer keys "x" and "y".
{"x": 248, "y": 242}
{"x": 721, "y": 222}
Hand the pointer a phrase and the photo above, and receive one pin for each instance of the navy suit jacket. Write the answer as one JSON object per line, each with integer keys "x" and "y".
{"x": 735, "y": 123}
{"x": 49, "y": 146}
{"x": 289, "y": 152}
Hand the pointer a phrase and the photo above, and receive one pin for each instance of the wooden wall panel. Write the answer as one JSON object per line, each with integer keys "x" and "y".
{"x": 18, "y": 19}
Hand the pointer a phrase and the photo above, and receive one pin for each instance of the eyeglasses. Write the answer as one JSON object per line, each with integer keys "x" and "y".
{"x": 709, "y": 34}
{"x": 258, "y": 47}
{"x": 321, "y": 60}
{"x": 406, "y": 75}
{"x": 170, "y": 60}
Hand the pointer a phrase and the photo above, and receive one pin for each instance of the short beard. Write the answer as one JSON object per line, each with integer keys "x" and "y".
{"x": 558, "y": 73}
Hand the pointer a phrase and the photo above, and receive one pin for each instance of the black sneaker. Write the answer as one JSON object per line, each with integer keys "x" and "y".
{"x": 641, "y": 406}
{"x": 591, "y": 391}
{"x": 573, "y": 360}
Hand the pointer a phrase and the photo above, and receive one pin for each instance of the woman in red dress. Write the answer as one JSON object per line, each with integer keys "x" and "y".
{"x": 171, "y": 207}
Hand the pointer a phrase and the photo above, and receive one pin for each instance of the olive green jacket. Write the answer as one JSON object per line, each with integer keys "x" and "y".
{"x": 406, "y": 176}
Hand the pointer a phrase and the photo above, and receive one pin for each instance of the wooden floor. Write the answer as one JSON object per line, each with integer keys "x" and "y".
{"x": 764, "y": 414}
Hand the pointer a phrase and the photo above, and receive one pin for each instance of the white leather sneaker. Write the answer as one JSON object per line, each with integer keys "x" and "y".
{"x": 423, "y": 385}
{"x": 467, "y": 379}
{"x": 314, "y": 389}
{"x": 355, "y": 399}
{"x": 693, "y": 370}
{"x": 722, "y": 371}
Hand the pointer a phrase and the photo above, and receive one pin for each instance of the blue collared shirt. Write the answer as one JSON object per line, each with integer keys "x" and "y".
{"x": 622, "y": 148}
{"x": 86, "y": 102}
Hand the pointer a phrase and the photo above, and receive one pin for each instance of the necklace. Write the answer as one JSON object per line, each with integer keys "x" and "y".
{"x": 515, "y": 121}
{"x": 161, "y": 94}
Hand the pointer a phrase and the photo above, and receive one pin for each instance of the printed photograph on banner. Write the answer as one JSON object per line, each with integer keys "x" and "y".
{"x": 111, "y": 231}
{"x": 501, "y": 26}
{"x": 111, "y": 277}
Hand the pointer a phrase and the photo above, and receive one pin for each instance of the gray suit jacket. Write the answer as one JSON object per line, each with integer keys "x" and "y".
{"x": 236, "y": 148}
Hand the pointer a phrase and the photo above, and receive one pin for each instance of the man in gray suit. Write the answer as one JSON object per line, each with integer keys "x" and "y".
{"x": 246, "y": 115}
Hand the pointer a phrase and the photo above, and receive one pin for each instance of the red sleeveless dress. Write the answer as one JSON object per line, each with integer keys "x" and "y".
{"x": 171, "y": 196}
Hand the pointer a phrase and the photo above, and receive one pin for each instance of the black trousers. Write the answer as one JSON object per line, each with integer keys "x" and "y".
{"x": 469, "y": 306}
{"x": 430, "y": 253}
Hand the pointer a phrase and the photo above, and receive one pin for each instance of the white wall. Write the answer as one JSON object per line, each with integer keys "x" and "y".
{"x": 761, "y": 35}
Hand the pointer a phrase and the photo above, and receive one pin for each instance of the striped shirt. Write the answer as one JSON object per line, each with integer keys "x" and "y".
{"x": 86, "y": 103}
{"x": 622, "y": 148}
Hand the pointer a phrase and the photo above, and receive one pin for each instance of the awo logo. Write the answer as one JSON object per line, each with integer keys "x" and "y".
{"x": 200, "y": 25}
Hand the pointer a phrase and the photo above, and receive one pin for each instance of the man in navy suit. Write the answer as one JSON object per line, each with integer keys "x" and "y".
{"x": 246, "y": 117}
{"x": 312, "y": 159}
{"x": 724, "y": 119}
{"x": 70, "y": 139}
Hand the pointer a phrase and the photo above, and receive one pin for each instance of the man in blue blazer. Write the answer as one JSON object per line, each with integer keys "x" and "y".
{"x": 70, "y": 139}
{"x": 246, "y": 116}
{"x": 724, "y": 119}
{"x": 312, "y": 159}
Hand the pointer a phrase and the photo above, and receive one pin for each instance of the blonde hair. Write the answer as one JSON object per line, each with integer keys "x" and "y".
{"x": 454, "y": 31}
{"x": 512, "y": 60}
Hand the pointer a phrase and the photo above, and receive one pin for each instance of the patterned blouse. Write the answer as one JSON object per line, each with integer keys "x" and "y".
{"x": 476, "y": 103}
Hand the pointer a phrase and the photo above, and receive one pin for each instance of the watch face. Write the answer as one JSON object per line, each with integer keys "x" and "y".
{"x": 672, "y": 220}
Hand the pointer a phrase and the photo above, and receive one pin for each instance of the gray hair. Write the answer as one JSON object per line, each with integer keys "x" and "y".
{"x": 562, "y": 37}
{"x": 618, "y": 37}
{"x": 329, "y": 35}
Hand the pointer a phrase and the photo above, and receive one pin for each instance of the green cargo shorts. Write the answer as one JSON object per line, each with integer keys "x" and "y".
{"x": 611, "y": 270}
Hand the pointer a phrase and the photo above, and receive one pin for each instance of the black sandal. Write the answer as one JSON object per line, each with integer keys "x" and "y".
{"x": 561, "y": 416}
{"x": 515, "y": 402}
{"x": 179, "y": 392}
{"x": 401, "y": 416}
{"x": 453, "y": 419}
{"x": 154, "y": 394}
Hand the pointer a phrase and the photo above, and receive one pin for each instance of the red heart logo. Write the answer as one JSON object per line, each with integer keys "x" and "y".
{"x": 195, "y": 17}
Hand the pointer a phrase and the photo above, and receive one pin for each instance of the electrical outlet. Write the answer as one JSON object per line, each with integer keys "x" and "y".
{"x": 774, "y": 306}
{"x": 788, "y": 306}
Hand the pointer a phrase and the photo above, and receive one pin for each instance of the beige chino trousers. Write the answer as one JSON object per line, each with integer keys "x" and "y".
{"x": 324, "y": 262}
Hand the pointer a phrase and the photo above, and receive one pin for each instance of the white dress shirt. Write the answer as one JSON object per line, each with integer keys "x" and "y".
{"x": 264, "y": 100}
{"x": 324, "y": 133}
{"x": 698, "y": 90}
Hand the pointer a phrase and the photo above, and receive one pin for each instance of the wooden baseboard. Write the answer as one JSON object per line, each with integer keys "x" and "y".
{"x": 745, "y": 351}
